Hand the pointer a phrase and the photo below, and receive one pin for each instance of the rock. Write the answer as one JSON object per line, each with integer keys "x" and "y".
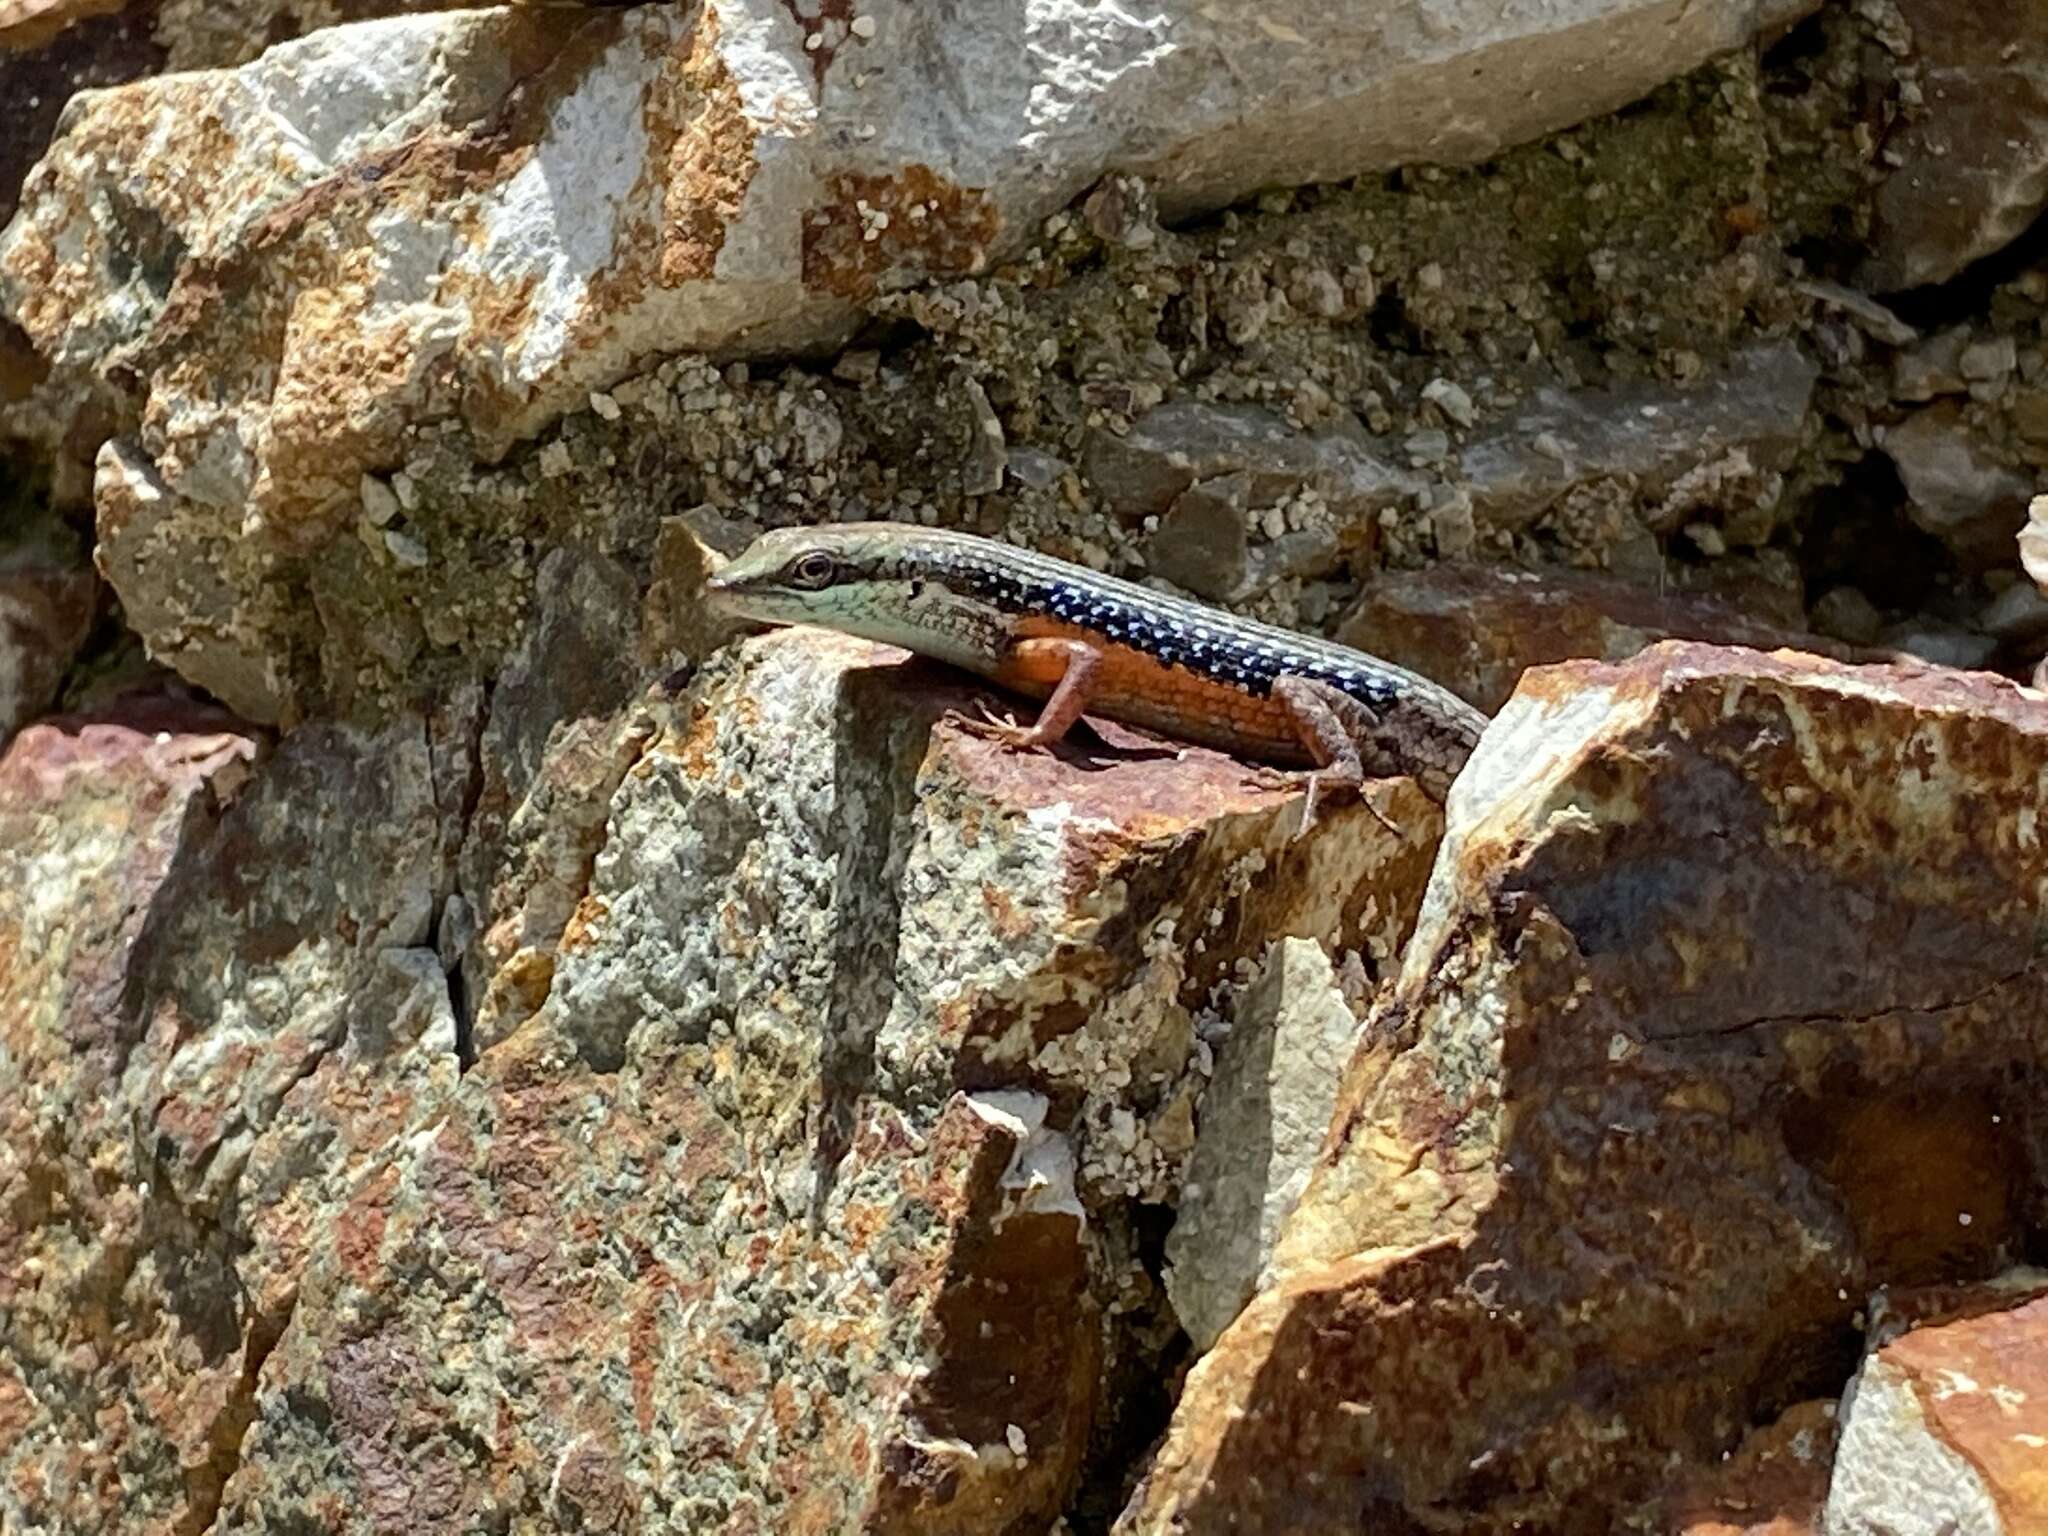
{"x": 1934, "y": 367}
{"x": 221, "y": 1014}
{"x": 49, "y": 599}
{"x": 490, "y": 242}
{"x": 1943, "y": 645}
{"x": 1040, "y": 471}
{"x": 191, "y": 586}
{"x": 988, "y": 454}
{"x": 1622, "y": 1149}
{"x": 2033, "y": 542}
{"x": 1774, "y": 1484}
{"x": 803, "y": 1193}
{"x": 1847, "y": 614}
{"x": 2029, "y": 415}
{"x": 1186, "y": 442}
{"x": 559, "y": 738}
{"x": 28, "y": 24}
{"x": 52, "y": 50}
{"x": 1261, "y": 1122}
{"x": 675, "y": 626}
{"x": 2020, "y": 612}
{"x": 1971, "y": 167}
{"x": 1869, "y": 315}
{"x": 1451, "y": 399}
{"x": 1989, "y": 360}
{"x": 1956, "y": 489}
{"x": 1476, "y": 629}
{"x": 1717, "y": 443}
{"x": 1204, "y": 540}
{"x": 1945, "y": 1428}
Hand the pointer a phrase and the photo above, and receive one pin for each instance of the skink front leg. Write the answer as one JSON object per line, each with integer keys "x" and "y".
{"x": 1074, "y": 663}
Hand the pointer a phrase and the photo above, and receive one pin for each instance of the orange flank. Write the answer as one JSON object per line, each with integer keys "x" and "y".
{"x": 1137, "y": 689}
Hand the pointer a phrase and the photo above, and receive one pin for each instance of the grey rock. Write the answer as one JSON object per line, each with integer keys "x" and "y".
{"x": 1971, "y": 167}
{"x": 1039, "y": 470}
{"x": 1652, "y": 436}
{"x": 987, "y": 450}
{"x": 1847, "y": 614}
{"x": 1943, "y": 645}
{"x": 2019, "y": 613}
{"x": 1203, "y": 542}
{"x": 1934, "y": 367}
{"x": 1957, "y": 489}
{"x": 1869, "y": 315}
{"x": 1989, "y": 360}
{"x": 1181, "y": 442}
{"x": 1262, "y": 1118}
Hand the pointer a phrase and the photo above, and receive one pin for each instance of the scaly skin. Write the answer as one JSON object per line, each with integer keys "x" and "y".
{"x": 1093, "y": 644}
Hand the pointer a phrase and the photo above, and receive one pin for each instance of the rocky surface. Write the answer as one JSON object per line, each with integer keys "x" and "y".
{"x": 486, "y": 215}
{"x": 1947, "y": 1411}
{"x": 862, "y": 1039}
{"x": 1623, "y": 1151}
{"x": 1476, "y": 629}
{"x": 1969, "y": 157}
{"x": 581, "y": 1072}
{"x": 1774, "y": 1484}
{"x": 48, "y": 601}
{"x": 1264, "y": 1115}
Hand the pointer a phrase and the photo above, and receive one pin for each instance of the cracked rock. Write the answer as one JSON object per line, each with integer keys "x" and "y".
{"x": 220, "y": 1012}
{"x": 1262, "y": 1119}
{"x": 858, "y": 1038}
{"x": 485, "y": 215}
{"x": 1621, "y": 1140}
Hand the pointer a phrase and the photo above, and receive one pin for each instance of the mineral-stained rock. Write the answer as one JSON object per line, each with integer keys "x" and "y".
{"x": 800, "y": 1203}
{"x": 1476, "y": 629}
{"x": 557, "y": 742}
{"x": 1716, "y": 443}
{"x": 1945, "y": 1428}
{"x": 218, "y": 1012}
{"x": 1972, "y": 164}
{"x": 1774, "y": 1484}
{"x": 1956, "y": 487}
{"x": 1727, "y": 998}
{"x": 485, "y": 214}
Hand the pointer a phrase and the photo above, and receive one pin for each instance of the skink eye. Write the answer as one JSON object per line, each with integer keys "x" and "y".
{"x": 812, "y": 570}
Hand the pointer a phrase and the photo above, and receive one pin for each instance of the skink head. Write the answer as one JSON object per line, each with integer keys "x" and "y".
{"x": 801, "y": 575}
{"x": 899, "y": 585}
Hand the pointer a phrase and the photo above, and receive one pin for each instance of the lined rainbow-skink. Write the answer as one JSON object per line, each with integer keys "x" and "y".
{"x": 1085, "y": 643}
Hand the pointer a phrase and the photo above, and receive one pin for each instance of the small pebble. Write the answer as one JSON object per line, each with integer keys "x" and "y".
{"x": 1451, "y": 400}
{"x": 405, "y": 549}
{"x": 380, "y": 502}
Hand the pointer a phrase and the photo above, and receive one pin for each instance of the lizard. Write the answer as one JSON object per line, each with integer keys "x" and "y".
{"x": 1081, "y": 642}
